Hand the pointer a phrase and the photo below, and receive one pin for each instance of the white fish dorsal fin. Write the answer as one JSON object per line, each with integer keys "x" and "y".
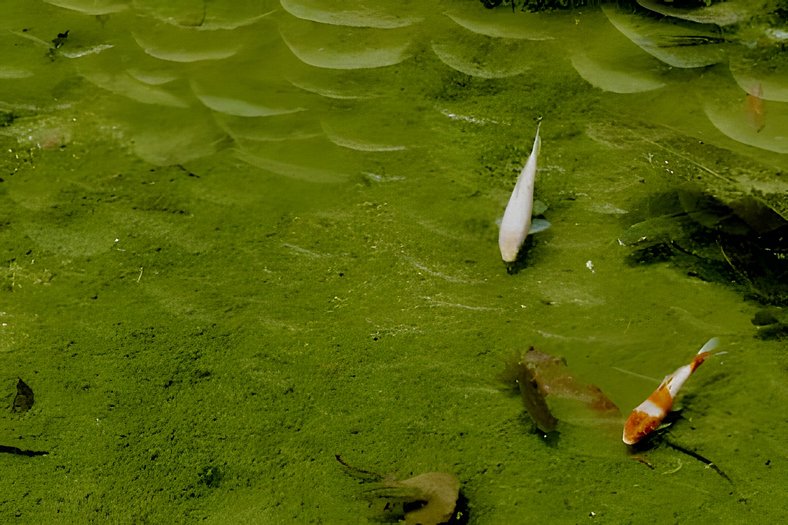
{"x": 538, "y": 225}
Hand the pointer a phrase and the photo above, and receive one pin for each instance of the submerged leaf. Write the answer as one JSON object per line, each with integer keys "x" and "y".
{"x": 434, "y": 498}
{"x": 431, "y": 498}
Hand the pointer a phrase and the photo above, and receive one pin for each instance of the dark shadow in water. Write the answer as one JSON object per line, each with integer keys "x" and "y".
{"x": 528, "y": 255}
{"x": 741, "y": 246}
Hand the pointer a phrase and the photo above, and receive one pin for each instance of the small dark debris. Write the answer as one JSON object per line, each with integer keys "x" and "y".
{"x": 24, "y": 398}
{"x": 22, "y": 452}
{"x": 61, "y": 39}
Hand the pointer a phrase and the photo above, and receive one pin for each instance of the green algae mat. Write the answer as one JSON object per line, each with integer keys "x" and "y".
{"x": 250, "y": 269}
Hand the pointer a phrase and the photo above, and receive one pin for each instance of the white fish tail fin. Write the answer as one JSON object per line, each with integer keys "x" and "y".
{"x": 537, "y": 139}
{"x": 710, "y": 345}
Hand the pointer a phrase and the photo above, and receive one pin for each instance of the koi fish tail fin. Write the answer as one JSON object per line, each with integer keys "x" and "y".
{"x": 704, "y": 352}
{"x": 710, "y": 345}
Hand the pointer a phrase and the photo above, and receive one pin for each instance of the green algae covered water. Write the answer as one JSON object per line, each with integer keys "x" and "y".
{"x": 240, "y": 239}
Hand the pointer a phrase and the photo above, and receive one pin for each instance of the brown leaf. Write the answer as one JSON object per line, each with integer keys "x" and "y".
{"x": 438, "y": 491}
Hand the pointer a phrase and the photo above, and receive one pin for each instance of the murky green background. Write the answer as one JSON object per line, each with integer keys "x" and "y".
{"x": 239, "y": 238}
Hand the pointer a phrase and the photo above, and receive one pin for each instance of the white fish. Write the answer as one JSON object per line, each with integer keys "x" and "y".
{"x": 517, "y": 223}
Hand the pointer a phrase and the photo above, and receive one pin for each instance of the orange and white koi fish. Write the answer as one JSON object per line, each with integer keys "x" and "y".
{"x": 648, "y": 415}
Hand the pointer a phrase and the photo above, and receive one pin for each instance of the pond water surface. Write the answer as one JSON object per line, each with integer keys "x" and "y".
{"x": 242, "y": 238}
